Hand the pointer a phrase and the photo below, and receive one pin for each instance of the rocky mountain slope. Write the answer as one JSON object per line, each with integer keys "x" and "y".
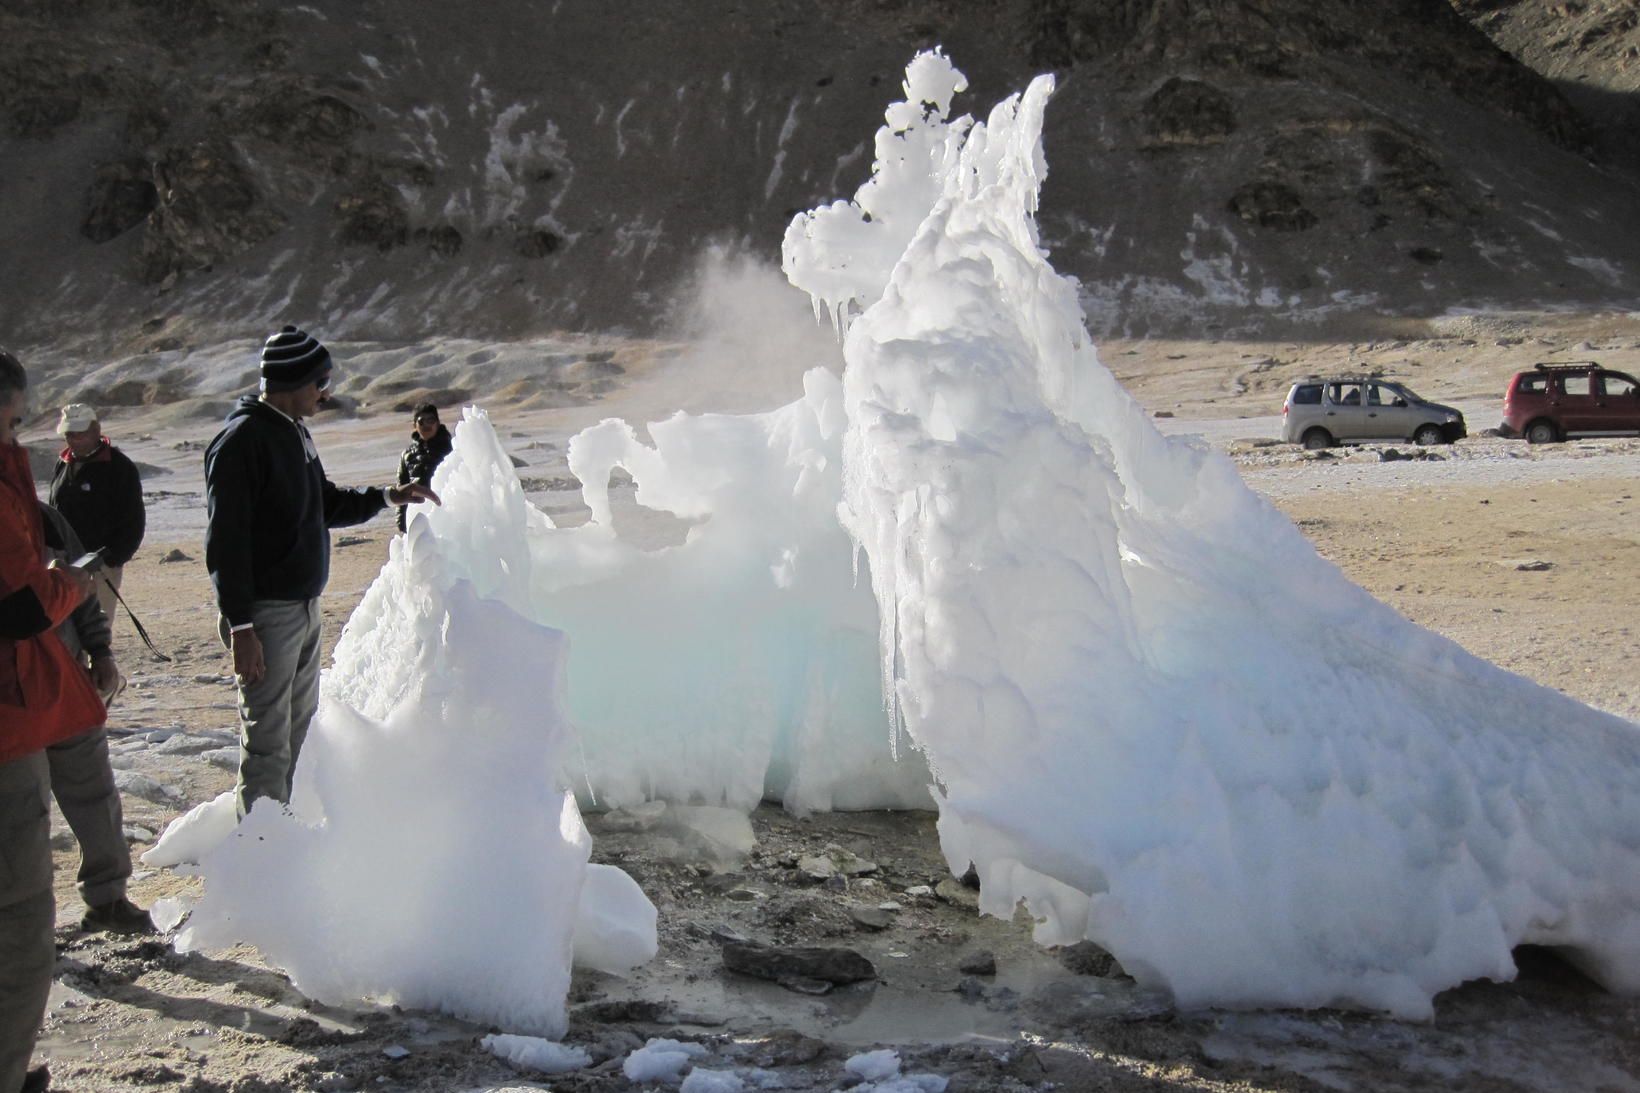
{"x": 180, "y": 171}
{"x": 1590, "y": 49}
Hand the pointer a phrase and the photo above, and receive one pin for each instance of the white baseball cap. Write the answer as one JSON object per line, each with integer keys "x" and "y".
{"x": 77, "y": 417}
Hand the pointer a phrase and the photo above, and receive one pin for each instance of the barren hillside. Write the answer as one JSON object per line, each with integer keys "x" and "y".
{"x": 180, "y": 171}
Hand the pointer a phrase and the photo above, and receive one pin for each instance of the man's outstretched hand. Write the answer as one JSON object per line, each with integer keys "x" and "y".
{"x": 412, "y": 494}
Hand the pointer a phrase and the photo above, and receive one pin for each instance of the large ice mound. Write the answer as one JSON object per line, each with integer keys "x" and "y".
{"x": 1155, "y": 713}
{"x": 431, "y": 855}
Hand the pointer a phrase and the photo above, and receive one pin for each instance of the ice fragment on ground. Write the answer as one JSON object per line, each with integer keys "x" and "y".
{"x": 168, "y": 911}
{"x": 193, "y": 834}
{"x": 874, "y": 1065}
{"x": 702, "y": 1080}
{"x": 615, "y": 922}
{"x": 722, "y": 835}
{"x": 533, "y": 1052}
{"x": 660, "y": 1060}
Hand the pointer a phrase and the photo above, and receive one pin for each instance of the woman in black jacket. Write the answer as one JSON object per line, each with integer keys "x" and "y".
{"x": 429, "y": 444}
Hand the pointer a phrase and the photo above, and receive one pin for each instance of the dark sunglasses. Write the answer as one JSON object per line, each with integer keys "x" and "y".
{"x": 323, "y": 382}
{"x": 427, "y": 419}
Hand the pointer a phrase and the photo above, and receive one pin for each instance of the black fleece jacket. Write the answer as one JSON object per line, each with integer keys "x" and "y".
{"x": 102, "y": 499}
{"x": 269, "y": 511}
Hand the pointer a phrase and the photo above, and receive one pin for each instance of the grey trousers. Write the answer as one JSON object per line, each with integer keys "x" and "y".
{"x": 274, "y": 714}
{"x": 28, "y": 953}
{"x": 83, "y": 783}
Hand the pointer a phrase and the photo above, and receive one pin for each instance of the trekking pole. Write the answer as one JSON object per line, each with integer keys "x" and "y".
{"x": 141, "y": 632}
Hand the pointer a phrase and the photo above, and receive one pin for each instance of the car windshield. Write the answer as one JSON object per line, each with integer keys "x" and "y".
{"x": 1407, "y": 393}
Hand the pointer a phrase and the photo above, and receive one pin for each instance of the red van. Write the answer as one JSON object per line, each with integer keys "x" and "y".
{"x": 1555, "y": 400}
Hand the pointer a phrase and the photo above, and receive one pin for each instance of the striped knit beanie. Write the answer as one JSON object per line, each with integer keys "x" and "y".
{"x": 292, "y": 358}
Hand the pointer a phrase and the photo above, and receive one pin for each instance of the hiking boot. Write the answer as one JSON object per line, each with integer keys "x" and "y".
{"x": 119, "y": 916}
{"x": 37, "y": 1080}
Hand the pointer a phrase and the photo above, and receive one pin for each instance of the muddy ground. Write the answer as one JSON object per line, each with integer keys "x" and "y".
{"x": 1527, "y": 557}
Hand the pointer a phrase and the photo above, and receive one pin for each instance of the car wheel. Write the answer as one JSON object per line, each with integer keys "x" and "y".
{"x": 1317, "y": 438}
{"x": 1427, "y": 435}
{"x": 1542, "y": 432}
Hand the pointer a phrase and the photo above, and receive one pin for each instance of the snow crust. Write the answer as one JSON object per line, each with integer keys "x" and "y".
{"x": 1156, "y": 715}
{"x": 430, "y": 855}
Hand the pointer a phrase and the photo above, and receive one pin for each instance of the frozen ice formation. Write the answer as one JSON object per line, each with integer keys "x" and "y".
{"x": 431, "y": 855}
{"x": 734, "y": 666}
{"x": 1155, "y": 714}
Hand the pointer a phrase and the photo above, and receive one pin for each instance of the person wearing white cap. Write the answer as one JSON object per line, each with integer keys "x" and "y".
{"x": 97, "y": 489}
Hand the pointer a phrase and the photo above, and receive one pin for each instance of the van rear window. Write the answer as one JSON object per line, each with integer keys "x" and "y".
{"x": 1307, "y": 394}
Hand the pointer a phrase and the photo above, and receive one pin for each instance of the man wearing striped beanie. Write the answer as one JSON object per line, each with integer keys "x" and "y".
{"x": 269, "y": 511}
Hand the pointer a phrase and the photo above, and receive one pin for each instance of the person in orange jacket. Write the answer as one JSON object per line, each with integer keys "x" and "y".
{"x": 44, "y": 697}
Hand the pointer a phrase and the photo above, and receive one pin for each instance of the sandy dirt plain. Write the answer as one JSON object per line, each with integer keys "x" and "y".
{"x": 1529, "y": 557}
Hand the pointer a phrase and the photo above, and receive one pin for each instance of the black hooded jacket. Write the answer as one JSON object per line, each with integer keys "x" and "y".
{"x": 269, "y": 511}
{"x": 421, "y": 459}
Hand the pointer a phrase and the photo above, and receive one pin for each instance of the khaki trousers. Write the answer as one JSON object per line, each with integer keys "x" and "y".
{"x": 107, "y": 585}
{"x": 83, "y": 784}
{"x": 28, "y": 953}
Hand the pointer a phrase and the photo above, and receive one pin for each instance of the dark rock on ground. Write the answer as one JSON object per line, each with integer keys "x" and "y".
{"x": 872, "y": 918}
{"x": 955, "y": 892}
{"x": 983, "y": 962}
{"x": 1086, "y": 958}
{"x": 803, "y": 984}
{"x": 786, "y": 1047}
{"x": 775, "y": 963}
{"x": 630, "y": 1011}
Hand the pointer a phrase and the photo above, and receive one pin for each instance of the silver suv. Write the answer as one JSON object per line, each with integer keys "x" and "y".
{"x": 1323, "y": 411}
